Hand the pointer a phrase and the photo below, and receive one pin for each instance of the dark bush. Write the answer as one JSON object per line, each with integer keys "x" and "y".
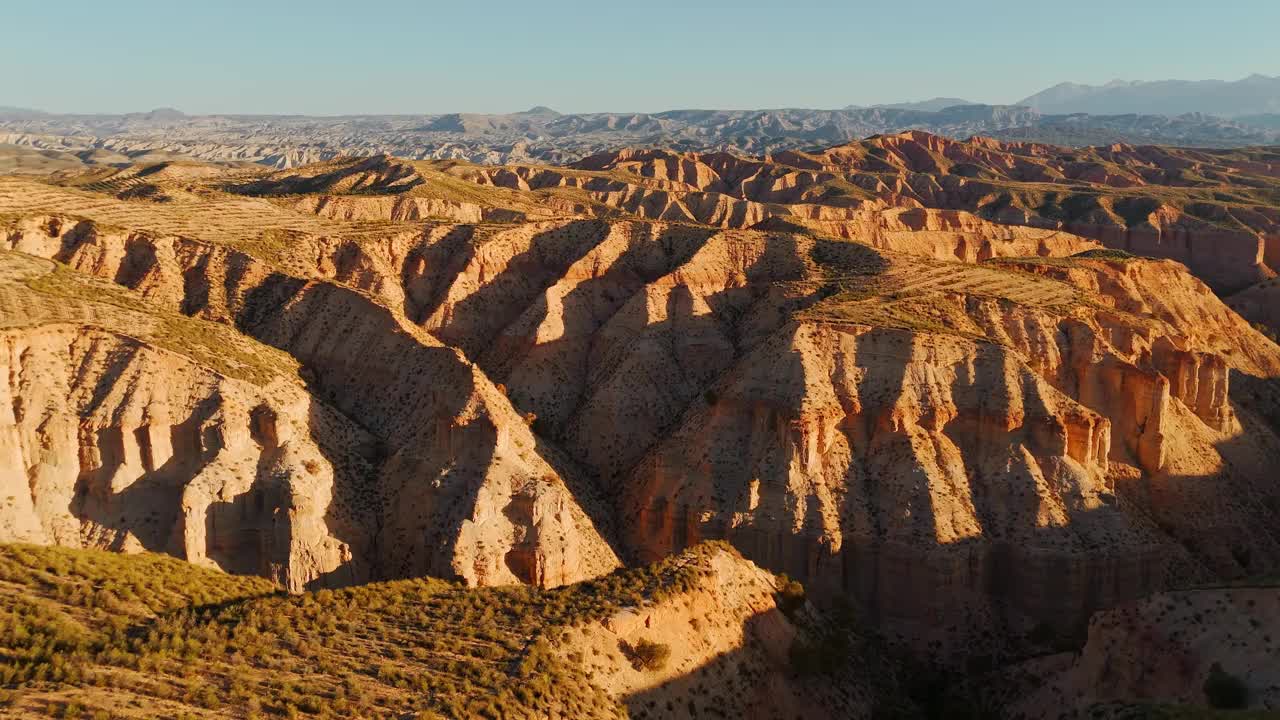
{"x": 1242, "y": 556}
{"x": 1107, "y": 254}
{"x": 1225, "y": 691}
{"x": 645, "y": 654}
{"x": 790, "y": 594}
{"x": 826, "y": 655}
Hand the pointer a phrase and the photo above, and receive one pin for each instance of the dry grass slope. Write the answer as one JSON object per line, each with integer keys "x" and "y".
{"x": 97, "y": 634}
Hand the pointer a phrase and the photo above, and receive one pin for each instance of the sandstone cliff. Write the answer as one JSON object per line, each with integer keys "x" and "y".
{"x": 129, "y": 431}
{"x": 461, "y": 482}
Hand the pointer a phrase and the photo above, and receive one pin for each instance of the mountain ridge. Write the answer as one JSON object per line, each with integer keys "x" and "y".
{"x": 1254, "y": 95}
{"x": 548, "y": 137}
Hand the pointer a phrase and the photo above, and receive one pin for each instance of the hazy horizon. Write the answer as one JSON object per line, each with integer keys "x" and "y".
{"x": 603, "y": 110}
{"x": 401, "y": 58}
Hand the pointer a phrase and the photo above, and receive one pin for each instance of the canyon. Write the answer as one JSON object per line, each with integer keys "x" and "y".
{"x": 993, "y": 395}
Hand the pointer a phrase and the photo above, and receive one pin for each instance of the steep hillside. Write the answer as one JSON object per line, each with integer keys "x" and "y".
{"x": 461, "y": 430}
{"x": 90, "y": 633}
{"x": 131, "y": 430}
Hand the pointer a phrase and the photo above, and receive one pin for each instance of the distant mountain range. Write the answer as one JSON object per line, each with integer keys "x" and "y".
{"x": 933, "y": 105}
{"x": 1254, "y": 95}
{"x": 1200, "y": 114}
{"x": 1249, "y": 100}
{"x": 545, "y": 136}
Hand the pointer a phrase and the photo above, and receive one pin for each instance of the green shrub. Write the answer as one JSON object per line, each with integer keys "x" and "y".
{"x": 1106, "y": 254}
{"x": 645, "y": 654}
{"x": 1267, "y": 331}
{"x": 790, "y": 594}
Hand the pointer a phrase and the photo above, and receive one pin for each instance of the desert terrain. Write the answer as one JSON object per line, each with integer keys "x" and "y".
{"x": 906, "y": 426}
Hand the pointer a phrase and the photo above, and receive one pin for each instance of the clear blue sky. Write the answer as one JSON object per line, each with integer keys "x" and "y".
{"x": 400, "y": 56}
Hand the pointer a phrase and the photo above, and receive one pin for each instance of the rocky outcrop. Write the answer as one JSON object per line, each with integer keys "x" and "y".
{"x": 729, "y": 651}
{"x": 113, "y": 443}
{"x": 1162, "y": 650}
{"x": 464, "y": 489}
{"x": 882, "y": 462}
{"x": 1227, "y": 259}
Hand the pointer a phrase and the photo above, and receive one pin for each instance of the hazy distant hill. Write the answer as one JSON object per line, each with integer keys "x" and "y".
{"x": 1265, "y": 120}
{"x": 8, "y": 111}
{"x": 1256, "y": 94}
{"x": 542, "y": 135}
{"x": 933, "y": 105}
